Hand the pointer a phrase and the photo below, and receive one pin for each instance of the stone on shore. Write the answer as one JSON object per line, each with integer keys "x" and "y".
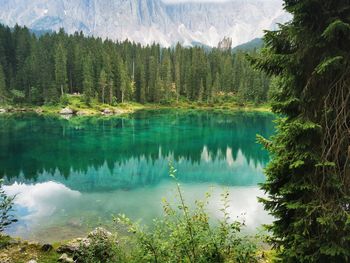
{"x": 107, "y": 111}
{"x": 66, "y": 111}
{"x": 3, "y": 110}
{"x": 75, "y": 246}
{"x": 65, "y": 259}
{"x": 46, "y": 247}
{"x": 118, "y": 111}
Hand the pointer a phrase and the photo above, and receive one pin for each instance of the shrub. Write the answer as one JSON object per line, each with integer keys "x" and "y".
{"x": 185, "y": 235}
{"x": 101, "y": 248}
{"x": 6, "y": 206}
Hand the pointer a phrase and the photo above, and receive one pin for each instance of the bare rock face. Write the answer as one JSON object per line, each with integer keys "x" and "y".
{"x": 66, "y": 111}
{"x": 225, "y": 44}
{"x": 162, "y": 21}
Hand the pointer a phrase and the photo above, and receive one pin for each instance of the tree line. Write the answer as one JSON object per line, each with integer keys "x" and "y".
{"x": 42, "y": 69}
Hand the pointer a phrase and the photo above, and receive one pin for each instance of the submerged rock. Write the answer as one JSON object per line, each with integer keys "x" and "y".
{"x": 66, "y": 111}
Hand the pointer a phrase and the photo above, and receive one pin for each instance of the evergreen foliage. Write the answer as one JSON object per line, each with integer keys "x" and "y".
{"x": 182, "y": 234}
{"x": 39, "y": 70}
{"x": 6, "y": 207}
{"x": 308, "y": 179}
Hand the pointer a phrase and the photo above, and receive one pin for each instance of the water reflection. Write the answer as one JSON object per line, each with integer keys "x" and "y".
{"x": 33, "y": 145}
{"x": 71, "y": 175}
{"x": 51, "y": 211}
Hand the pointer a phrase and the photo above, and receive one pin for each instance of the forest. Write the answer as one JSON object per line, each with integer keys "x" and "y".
{"x": 39, "y": 70}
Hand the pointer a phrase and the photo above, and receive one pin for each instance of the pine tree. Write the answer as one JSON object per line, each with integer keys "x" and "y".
{"x": 208, "y": 85}
{"x": 216, "y": 86}
{"x": 61, "y": 68}
{"x": 88, "y": 82}
{"x": 3, "y": 91}
{"x": 103, "y": 84}
{"x": 308, "y": 182}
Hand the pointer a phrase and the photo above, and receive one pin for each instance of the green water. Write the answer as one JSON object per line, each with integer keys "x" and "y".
{"x": 72, "y": 175}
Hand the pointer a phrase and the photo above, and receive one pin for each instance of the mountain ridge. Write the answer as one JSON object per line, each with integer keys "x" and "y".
{"x": 149, "y": 21}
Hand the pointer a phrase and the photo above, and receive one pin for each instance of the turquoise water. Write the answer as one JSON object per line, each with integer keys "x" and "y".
{"x": 72, "y": 175}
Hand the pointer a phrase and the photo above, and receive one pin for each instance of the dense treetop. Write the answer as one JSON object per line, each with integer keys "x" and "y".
{"x": 308, "y": 182}
{"x": 38, "y": 70}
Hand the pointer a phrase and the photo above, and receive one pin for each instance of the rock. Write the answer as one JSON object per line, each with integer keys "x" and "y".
{"x": 66, "y": 111}
{"x": 118, "y": 111}
{"x": 65, "y": 258}
{"x": 81, "y": 113}
{"x": 46, "y": 247}
{"x": 38, "y": 111}
{"x": 32, "y": 261}
{"x": 3, "y": 110}
{"x": 100, "y": 233}
{"x": 75, "y": 246}
{"x": 22, "y": 250}
{"x": 70, "y": 248}
{"x": 107, "y": 111}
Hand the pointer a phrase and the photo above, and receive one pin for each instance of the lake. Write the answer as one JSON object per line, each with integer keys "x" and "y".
{"x": 73, "y": 175}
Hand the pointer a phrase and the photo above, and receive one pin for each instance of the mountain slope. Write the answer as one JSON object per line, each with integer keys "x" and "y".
{"x": 149, "y": 21}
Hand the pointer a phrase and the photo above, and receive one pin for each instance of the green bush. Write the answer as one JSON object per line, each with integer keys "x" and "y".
{"x": 185, "y": 235}
{"x": 101, "y": 249}
{"x": 6, "y": 206}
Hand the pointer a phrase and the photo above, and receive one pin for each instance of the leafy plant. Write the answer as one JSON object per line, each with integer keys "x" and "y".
{"x": 186, "y": 235}
{"x": 6, "y": 206}
{"x": 100, "y": 249}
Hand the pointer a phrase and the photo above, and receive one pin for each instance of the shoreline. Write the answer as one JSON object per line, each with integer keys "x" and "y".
{"x": 126, "y": 108}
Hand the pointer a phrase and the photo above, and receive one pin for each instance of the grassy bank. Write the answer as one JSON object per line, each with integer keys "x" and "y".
{"x": 80, "y": 107}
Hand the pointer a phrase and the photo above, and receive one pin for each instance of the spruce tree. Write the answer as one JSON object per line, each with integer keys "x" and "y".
{"x": 103, "y": 84}
{"x": 88, "y": 82}
{"x": 3, "y": 92}
{"x": 61, "y": 68}
{"x": 308, "y": 179}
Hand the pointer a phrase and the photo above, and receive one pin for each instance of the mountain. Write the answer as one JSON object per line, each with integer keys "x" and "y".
{"x": 148, "y": 21}
{"x": 256, "y": 43}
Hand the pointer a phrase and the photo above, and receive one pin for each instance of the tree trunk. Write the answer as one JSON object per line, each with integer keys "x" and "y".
{"x": 103, "y": 95}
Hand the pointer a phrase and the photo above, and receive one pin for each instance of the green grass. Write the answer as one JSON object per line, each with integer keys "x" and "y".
{"x": 19, "y": 251}
{"x": 77, "y": 104}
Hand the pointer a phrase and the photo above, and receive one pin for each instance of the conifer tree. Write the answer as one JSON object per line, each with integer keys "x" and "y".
{"x": 103, "y": 84}
{"x": 88, "y": 83}
{"x": 61, "y": 68}
{"x": 3, "y": 91}
{"x": 308, "y": 182}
